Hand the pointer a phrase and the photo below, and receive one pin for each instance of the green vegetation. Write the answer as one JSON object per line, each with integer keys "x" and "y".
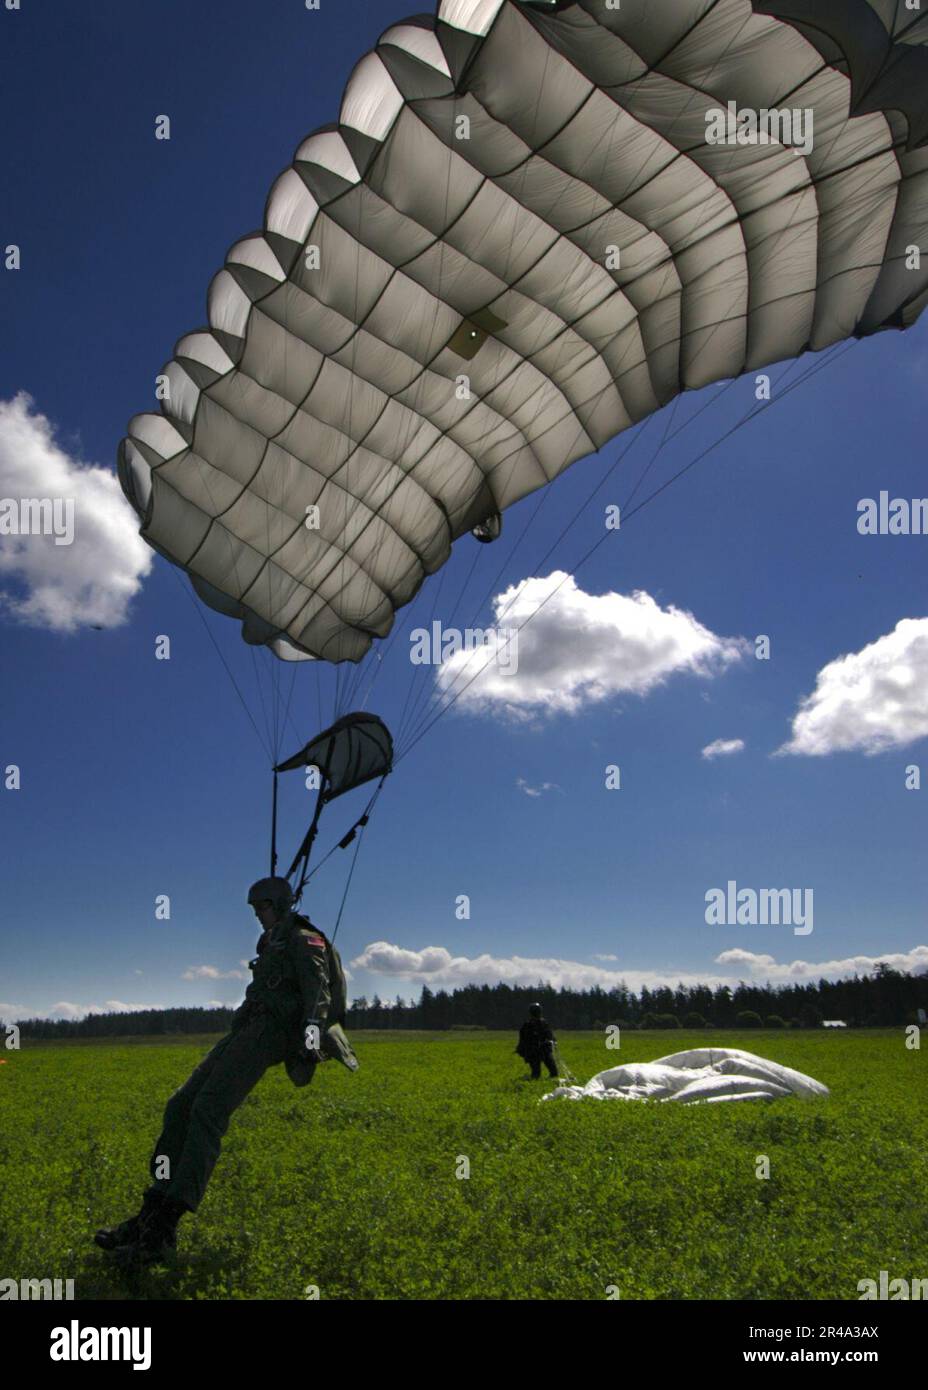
{"x": 350, "y": 1184}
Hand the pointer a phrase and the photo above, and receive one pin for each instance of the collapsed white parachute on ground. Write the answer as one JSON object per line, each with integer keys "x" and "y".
{"x": 701, "y": 1074}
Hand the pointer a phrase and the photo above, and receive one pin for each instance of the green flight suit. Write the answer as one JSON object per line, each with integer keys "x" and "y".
{"x": 298, "y": 979}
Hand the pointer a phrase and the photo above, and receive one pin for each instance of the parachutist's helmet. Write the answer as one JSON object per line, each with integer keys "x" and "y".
{"x": 535, "y": 1010}
{"x": 276, "y": 891}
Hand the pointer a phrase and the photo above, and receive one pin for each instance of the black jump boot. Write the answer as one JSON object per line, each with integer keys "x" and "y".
{"x": 111, "y": 1237}
{"x": 156, "y": 1240}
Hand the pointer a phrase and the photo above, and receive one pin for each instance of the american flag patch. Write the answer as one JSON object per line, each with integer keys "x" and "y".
{"x": 314, "y": 939}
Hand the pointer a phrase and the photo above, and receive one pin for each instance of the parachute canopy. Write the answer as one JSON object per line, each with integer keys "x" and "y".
{"x": 700, "y": 1074}
{"x": 356, "y": 749}
{"x": 518, "y": 240}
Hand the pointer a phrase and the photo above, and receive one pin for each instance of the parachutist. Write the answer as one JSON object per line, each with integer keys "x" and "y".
{"x": 536, "y": 1043}
{"x": 293, "y": 1013}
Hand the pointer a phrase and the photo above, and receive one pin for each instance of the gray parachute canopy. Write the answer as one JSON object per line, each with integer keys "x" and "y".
{"x": 516, "y": 242}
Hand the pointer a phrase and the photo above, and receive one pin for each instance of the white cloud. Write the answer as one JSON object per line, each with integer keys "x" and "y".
{"x": 439, "y": 969}
{"x": 723, "y": 748}
{"x": 65, "y": 587}
{"x": 436, "y": 967}
{"x": 9, "y": 1013}
{"x": 536, "y": 791}
{"x": 763, "y": 967}
{"x": 868, "y": 701}
{"x": 210, "y": 972}
{"x": 65, "y": 1009}
{"x": 580, "y": 649}
{"x": 605, "y": 957}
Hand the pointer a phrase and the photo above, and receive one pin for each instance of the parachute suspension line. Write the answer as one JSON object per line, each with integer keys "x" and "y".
{"x": 301, "y": 858}
{"x": 337, "y": 710}
{"x": 266, "y": 746}
{"x": 278, "y": 708}
{"x": 367, "y": 694}
{"x": 356, "y": 832}
{"x": 669, "y": 437}
{"x": 831, "y": 356}
{"x": 341, "y": 906}
{"x": 260, "y": 688}
{"x": 274, "y": 701}
{"x": 665, "y": 437}
{"x": 414, "y": 688}
{"x": 377, "y": 660}
{"x": 274, "y": 829}
{"x": 244, "y": 703}
{"x": 286, "y": 718}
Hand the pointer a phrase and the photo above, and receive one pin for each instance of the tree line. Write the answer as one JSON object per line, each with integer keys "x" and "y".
{"x": 887, "y": 998}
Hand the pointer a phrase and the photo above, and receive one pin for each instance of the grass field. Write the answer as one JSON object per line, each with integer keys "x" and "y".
{"x": 350, "y": 1184}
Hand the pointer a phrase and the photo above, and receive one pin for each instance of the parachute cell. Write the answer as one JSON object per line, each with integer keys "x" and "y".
{"x": 517, "y": 242}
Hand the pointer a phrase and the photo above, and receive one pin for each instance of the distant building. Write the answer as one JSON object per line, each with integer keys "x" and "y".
{"x": 834, "y": 1023}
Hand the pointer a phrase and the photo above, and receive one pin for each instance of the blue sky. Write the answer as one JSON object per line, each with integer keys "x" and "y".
{"x": 142, "y": 778}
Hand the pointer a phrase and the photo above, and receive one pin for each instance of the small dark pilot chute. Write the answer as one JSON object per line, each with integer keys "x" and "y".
{"x": 353, "y": 751}
{"x": 357, "y": 749}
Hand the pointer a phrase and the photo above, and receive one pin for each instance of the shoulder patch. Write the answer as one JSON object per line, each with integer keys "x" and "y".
{"x": 312, "y": 938}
